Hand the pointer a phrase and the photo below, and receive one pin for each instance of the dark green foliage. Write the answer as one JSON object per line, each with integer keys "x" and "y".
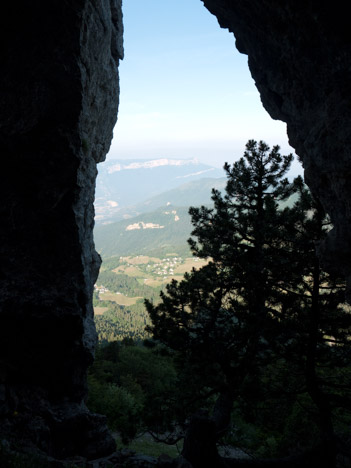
{"x": 11, "y": 459}
{"x": 130, "y": 384}
{"x": 261, "y": 325}
{"x": 125, "y": 284}
{"x": 258, "y": 339}
{"x": 218, "y": 314}
{"x": 119, "y": 322}
{"x": 96, "y": 298}
{"x": 315, "y": 323}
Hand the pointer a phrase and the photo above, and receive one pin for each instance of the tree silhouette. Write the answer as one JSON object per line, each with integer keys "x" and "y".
{"x": 261, "y": 305}
{"x": 218, "y": 317}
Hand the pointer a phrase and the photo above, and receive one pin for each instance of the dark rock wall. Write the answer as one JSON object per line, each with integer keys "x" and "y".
{"x": 299, "y": 54}
{"x": 58, "y": 106}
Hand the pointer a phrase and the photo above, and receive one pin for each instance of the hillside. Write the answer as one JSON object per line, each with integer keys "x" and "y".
{"x": 162, "y": 231}
{"x": 122, "y": 285}
{"x": 194, "y": 193}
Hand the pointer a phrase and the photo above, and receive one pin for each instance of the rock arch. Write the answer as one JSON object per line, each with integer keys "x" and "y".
{"x": 58, "y": 106}
{"x": 299, "y": 57}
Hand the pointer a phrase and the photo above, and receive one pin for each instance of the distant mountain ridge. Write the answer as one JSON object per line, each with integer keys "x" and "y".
{"x": 160, "y": 224}
{"x": 123, "y": 186}
{"x": 194, "y": 193}
{"x": 123, "y": 165}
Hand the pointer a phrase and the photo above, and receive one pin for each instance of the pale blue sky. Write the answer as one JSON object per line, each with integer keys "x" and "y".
{"x": 185, "y": 90}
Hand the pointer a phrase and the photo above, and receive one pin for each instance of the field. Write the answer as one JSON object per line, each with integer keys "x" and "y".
{"x": 189, "y": 264}
{"x": 100, "y": 310}
{"x": 120, "y": 299}
{"x": 129, "y": 270}
{"x": 151, "y": 271}
{"x": 159, "y": 283}
{"x": 124, "y": 281}
{"x": 140, "y": 260}
{"x": 157, "y": 271}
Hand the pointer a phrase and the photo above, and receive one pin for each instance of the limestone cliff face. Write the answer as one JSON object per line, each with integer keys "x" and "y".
{"x": 299, "y": 55}
{"x": 58, "y": 106}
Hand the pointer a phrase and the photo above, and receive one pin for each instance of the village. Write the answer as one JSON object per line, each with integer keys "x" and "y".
{"x": 166, "y": 267}
{"x": 151, "y": 271}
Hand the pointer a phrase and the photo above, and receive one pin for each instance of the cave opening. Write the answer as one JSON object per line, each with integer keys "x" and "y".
{"x": 191, "y": 95}
{"x": 58, "y": 108}
{"x": 188, "y": 105}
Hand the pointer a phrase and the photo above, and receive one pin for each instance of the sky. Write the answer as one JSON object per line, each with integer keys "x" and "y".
{"x": 186, "y": 92}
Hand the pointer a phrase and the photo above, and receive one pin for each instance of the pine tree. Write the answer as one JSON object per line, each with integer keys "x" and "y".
{"x": 219, "y": 318}
{"x": 314, "y": 320}
{"x": 262, "y": 301}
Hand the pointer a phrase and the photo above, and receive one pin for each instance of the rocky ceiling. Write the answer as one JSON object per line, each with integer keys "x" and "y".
{"x": 299, "y": 55}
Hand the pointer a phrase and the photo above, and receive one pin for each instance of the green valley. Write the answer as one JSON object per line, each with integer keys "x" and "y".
{"x": 158, "y": 233}
{"x": 140, "y": 256}
{"x": 123, "y": 284}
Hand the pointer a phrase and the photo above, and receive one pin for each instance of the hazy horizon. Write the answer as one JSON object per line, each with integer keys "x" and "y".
{"x": 186, "y": 92}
